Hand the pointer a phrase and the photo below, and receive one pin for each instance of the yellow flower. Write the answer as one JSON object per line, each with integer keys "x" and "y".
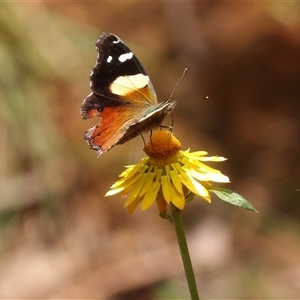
{"x": 167, "y": 175}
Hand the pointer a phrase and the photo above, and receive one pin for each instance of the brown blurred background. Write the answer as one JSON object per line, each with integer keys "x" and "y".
{"x": 60, "y": 238}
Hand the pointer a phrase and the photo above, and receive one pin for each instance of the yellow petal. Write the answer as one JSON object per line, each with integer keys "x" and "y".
{"x": 213, "y": 158}
{"x": 136, "y": 191}
{"x": 118, "y": 183}
{"x": 184, "y": 178}
{"x": 218, "y": 177}
{"x": 177, "y": 198}
{"x": 206, "y": 169}
{"x": 192, "y": 184}
{"x": 126, "y": 181}
{"x": 127, "y": 170}
{"x": 170, "y": 193}
{"x": 148, "y": 182}
{"x": 201, "y": 156}
{"x": 201, "y": 190}
{"x": 134, "y": 170}
{"x": 166, "y": 188}
{"x": 132, "y": 206}
{"x": 114, "y": 191}
{"x": 215, "y": 176}
{"x": 198, "y": 153}
{"x": 127, "y": 190}
{"x": 176, "y": 181}
{"x": 197, "y": 175}
{"x": 150, "y": 196}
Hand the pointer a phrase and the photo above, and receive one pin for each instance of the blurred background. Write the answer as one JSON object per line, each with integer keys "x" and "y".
{"x": 60, "y": 238}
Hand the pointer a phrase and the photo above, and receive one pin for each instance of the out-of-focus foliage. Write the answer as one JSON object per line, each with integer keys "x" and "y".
{"x": 38, "y": 49}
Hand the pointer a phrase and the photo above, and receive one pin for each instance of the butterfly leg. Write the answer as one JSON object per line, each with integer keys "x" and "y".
{"x": 170, "y": 127}
{"x": 143, "y": 140}
{"x": 151, "y": 137}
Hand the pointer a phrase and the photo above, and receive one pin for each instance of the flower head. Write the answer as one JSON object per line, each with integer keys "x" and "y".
{"x": 167, "y": 175}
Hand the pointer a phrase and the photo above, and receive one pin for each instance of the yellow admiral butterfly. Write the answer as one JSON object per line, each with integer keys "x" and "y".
{"x": 122, "y": 96}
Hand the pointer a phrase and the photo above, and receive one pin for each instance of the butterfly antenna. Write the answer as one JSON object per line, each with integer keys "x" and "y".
{"x": 184, "y": 71}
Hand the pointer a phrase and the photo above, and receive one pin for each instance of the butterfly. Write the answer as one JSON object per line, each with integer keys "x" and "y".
{"x": 122, "y": 96}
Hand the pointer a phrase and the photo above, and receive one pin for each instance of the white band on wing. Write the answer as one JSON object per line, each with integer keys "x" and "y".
{"x": 124, "y": 85}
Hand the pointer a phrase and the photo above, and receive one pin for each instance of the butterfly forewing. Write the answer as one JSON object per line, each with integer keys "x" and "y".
{"x": 122, "y": 71}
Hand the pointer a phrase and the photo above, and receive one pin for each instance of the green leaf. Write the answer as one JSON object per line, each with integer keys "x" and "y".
{"x": 231, "y": 197}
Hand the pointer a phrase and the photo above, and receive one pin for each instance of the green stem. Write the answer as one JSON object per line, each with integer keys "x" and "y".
{"x": 188, "y": 268}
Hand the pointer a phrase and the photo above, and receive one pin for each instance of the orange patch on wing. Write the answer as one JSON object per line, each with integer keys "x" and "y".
{"x": 111, "y": 127}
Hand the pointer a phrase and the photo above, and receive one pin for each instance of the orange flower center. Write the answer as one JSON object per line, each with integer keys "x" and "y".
{"x": 163, "y": 148}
